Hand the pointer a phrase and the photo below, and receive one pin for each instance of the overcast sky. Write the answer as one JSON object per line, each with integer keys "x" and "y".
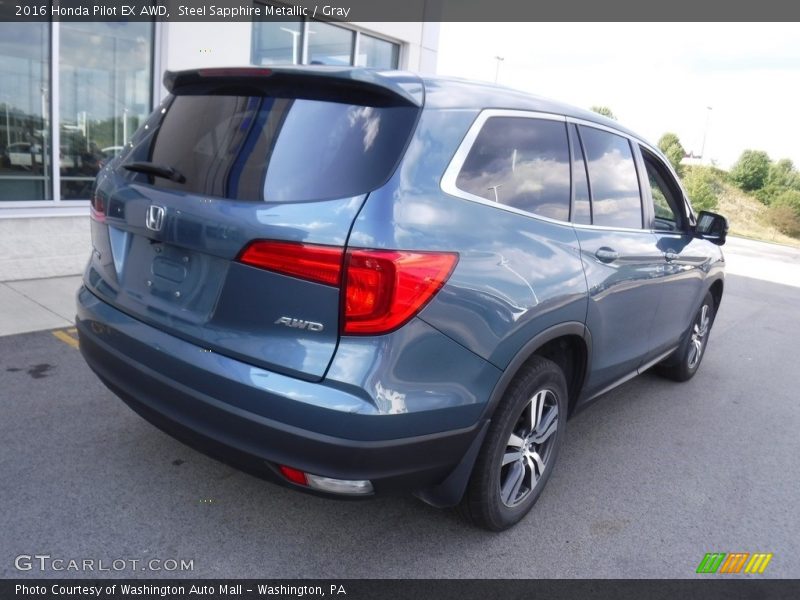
{"x": 656, "y": 77}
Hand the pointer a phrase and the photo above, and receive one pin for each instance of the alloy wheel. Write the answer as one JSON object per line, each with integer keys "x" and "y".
{"x": 528, "y": 448}
{"x": 699, "y": 332}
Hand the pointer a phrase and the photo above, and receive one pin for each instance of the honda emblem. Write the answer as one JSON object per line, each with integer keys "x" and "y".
{"x": 155, "y": 217}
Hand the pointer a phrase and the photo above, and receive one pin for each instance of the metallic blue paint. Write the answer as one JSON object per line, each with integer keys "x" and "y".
{"x": 357, "y": 401}
{"x": 188, "y": 318}
{"x": 182, "y": 278}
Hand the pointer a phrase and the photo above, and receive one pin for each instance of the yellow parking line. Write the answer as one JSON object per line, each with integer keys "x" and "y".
{"x": 66, "y": 338}
{"x": 72, "y": 330}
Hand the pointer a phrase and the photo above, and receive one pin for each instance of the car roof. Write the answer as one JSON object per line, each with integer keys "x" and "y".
{"x": 452, "y": 92}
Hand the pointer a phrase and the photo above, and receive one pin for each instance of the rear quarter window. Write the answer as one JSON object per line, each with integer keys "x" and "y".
{"x": 521, "y": 162}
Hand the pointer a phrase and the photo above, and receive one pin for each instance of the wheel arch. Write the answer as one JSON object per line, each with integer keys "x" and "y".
{"x": 716, "y": 290}
{"x": 567, "y": 344}
{"x": 551, "y": 343}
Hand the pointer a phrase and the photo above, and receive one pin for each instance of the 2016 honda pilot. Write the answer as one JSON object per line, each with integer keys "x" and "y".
{"x": 356, "y": 282}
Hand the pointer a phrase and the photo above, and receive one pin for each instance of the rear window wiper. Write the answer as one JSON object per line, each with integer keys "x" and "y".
{"x": 158, "y": 170}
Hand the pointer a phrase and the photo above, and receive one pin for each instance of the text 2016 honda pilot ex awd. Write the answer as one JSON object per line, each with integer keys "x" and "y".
{"x": 356, "y": 282}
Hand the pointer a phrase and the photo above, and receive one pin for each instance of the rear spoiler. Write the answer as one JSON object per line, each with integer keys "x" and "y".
{"x": 366, "y": 87}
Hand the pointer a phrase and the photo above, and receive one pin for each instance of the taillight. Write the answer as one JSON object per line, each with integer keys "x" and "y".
{"x": 320, "y": 264}
{"x": 98, "y": 208}
{"x": 383, "y": 289}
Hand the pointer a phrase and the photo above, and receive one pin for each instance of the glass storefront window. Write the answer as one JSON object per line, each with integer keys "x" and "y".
{"x": 24, "y": 111}
{"x": 281, "y": 42}
{"x": 276, "y": 43}
{"x": 105, "y": 78}
{"x": 374, "y": 52}
{"x": 329, "y": 45}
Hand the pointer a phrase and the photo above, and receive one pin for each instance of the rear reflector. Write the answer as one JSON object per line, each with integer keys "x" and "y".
{"x": 293, "y": 475}
{"x": 320, "y": 264}
{"x": 382, "y": 289}
{"x": 353, "y": 487}
{"x": 385, "y": 288}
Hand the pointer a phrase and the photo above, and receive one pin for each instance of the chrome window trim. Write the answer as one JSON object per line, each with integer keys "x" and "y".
{"x": 607, "y": 228}
{"x": 690, "y": 215}
{"x": 624, "y": 134}
{"x": 448, "y": 181}
{"x": 631, "y": 139}
{"x": 649, "y": 189}
{"x": 688, "y": 211}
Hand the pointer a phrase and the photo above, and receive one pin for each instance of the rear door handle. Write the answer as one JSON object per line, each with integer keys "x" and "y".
{"x": 606, "y": 255}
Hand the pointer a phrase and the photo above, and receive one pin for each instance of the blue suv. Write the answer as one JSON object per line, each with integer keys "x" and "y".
{"x": 356, "y": 282}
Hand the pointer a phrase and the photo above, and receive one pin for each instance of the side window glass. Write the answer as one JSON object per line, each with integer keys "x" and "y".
{"x": 520, "y": 162}
{"x": 665, "y": 202}
{"x": 581, "y": 210}
{"x": 616, "y": 200}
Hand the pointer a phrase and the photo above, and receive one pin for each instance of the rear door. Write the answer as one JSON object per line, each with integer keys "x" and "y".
{"x": 236, "y": 174}
{"x": 620, "y": 257}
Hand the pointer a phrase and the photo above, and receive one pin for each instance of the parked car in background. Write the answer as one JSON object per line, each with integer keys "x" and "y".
{"x": 356, "y": 282}
{"x": 24, "y": 155}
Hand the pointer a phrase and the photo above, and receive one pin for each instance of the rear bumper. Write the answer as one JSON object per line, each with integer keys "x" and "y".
{"x": 252, "y": 418}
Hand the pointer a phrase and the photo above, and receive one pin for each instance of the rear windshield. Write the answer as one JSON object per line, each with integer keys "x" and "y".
{"x": 277, "y": 149}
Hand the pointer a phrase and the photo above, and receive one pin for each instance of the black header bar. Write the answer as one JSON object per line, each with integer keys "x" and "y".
{"x": 705, "y": 587}
{"x": 397, "y": 10}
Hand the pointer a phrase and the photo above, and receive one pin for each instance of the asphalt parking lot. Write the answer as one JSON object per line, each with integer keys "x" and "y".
{"x": 650, "y": 479}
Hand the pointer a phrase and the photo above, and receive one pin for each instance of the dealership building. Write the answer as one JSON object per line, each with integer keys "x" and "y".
{"x": 73, "y": 93}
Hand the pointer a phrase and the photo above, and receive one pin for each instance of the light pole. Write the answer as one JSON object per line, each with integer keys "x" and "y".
{"x": 499, "y": 59}
{"x": 705, "y": 134}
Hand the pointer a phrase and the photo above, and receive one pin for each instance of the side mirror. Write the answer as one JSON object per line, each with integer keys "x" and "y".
{"x": 712, "y": 227}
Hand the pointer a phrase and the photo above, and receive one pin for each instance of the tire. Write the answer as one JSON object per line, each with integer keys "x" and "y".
{"x": 499, "y": 495}
{"x": 682, "y": 364}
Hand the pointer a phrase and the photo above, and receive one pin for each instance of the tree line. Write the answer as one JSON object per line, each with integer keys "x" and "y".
{"x": 775, "y": 184}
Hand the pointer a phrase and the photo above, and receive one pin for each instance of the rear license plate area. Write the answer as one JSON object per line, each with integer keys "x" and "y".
{"x": 172, "y": 281}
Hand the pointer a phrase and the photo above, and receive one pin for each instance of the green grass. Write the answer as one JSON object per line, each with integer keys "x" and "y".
{"x": 747, "y": 216}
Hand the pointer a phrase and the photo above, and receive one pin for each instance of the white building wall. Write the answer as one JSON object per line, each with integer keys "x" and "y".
{"x": 429, "y": 52}
{"x": 55, "y": 242}
{"x": 37, "y": 247}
